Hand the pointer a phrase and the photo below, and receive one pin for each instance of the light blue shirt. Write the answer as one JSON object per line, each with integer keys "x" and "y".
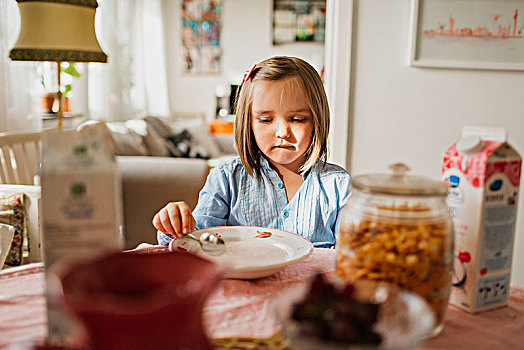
{"x": 232, "y": 197}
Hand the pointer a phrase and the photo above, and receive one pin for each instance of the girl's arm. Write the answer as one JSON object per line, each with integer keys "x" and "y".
{"x": 176, "y": 219}
{"x": 214, "y": 200}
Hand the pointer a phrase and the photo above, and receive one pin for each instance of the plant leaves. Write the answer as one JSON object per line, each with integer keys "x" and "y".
{"x": 71, "y": 70}
{"x": 67, "y": 89}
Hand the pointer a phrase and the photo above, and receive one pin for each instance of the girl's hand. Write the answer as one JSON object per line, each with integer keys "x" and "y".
{"x": 175, "y": 219}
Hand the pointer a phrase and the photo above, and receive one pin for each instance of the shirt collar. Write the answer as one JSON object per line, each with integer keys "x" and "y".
{"x": 264, "y": 163}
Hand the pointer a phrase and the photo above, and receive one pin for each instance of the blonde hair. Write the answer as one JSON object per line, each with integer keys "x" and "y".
{"x": 279, "y": 68}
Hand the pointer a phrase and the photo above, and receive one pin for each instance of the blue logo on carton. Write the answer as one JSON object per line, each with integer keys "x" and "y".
{"x": 454, "y": 181}
{"x": 495, "y": 185}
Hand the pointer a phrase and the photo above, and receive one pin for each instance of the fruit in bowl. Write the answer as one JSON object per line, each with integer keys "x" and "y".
{"x": 328, "y": 313}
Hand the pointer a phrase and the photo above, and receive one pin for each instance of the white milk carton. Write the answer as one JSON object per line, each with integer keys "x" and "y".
{"x": 483, "y": 172}
{"x": 81, "y": 207}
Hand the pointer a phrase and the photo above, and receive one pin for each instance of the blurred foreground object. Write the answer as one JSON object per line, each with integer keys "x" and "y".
{"x": 333, "y": 314}
{"x": 81, "y": 203}
{"x": 139, "y": 301}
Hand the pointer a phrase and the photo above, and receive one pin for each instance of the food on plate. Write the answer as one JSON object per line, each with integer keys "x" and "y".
{"x": 333, "y": 313}
{"x": 263, "y": 234}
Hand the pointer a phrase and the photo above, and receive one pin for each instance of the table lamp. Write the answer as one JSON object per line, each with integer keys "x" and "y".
{"x": 58, "y": 31}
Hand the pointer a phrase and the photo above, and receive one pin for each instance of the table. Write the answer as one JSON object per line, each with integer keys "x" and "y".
{"x": 238, "y": 313}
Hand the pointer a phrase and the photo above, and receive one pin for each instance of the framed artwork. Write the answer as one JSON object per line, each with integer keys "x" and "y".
{"x": 299, "y": 21}
{"x": 467, "y": 34}
{"x": 201, "y": 24}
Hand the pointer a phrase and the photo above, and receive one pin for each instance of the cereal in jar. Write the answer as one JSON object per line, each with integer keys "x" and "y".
{"x": 397, "y": 228}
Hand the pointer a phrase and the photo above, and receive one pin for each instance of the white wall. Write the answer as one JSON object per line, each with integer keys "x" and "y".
{"x": 400, "y": 113}
{"x": 246, "y": 39}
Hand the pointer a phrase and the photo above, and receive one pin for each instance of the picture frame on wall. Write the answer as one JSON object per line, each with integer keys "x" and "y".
{"x": 299, "y": 21}
{"x": 467, "y": 34}
{"x": 201, "y": 28}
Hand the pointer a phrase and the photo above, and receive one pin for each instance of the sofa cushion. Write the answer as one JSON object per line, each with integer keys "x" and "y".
{"x": 160, "y": 125}
{"x": 163, "y": 137}
{"x": 126, "y": 141}
{"x": 162, "y": 128}
{"x": 156, "y": 145}
{"x": 201, "y": 138}
{"x": 133, "y": 137}
{"x": 186, "y": 146}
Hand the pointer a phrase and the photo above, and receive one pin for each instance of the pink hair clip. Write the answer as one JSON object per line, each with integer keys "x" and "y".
{"x": 247, "y": 74}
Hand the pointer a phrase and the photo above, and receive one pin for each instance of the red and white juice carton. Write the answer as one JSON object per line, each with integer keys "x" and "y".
{"x": 483, "y": 172}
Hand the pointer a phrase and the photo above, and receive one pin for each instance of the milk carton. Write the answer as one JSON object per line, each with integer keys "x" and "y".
{"x": 81, "y": 209}
{"x": 483, "y": 172}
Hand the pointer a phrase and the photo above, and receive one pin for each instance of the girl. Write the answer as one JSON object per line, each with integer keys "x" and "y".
{"x": 280, "y": 179}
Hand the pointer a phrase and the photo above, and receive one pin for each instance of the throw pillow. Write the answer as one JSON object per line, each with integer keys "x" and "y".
{"x": 186, "y": 147}
{"x": 199, "y": 131}
{"x": 126, "y": 141}
{"x": 6, "y": 238}
{"x": 12, "y": 212}
{"x": 156, "y": 145}
{"x": 160, "y": 125}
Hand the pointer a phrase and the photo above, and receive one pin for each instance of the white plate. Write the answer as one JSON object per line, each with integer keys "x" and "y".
{"x": 252, "y": 252}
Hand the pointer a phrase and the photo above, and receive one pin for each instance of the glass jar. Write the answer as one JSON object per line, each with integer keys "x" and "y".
{"x": 397, "y": 228}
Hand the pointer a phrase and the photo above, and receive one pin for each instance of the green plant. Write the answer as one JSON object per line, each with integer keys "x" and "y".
{"x": 67, "y": 68}
{"x": 72, "y": 71}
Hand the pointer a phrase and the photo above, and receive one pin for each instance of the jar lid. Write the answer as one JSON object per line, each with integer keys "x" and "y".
{"x": 399, "y": 183}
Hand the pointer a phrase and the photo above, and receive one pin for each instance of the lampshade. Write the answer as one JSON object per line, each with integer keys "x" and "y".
{"x": 57, "y": 30}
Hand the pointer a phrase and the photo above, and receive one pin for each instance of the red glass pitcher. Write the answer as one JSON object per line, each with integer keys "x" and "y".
{"x": 141, "y": 301}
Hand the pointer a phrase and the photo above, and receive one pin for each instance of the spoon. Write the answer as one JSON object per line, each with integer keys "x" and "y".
{"x": 210, "y": 243}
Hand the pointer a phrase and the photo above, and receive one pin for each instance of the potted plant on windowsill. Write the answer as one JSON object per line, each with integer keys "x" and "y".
{"x": 50, "y": 99}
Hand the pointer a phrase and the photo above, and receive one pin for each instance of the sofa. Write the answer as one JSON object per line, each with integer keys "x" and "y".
{"x": 149, "y": 183}
{"x": 159, "y": 160}
{"x": 162, "y": 160}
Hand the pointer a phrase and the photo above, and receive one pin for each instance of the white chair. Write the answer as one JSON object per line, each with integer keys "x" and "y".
{"x": 20, "y": 157}
{"x": 20, "y": 154}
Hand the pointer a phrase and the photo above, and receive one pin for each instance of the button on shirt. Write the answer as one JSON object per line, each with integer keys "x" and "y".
{"x": 232, "y": 197}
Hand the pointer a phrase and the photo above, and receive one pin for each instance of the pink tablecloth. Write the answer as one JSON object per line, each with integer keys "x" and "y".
{"x": 244, "y": 309}
{"x": 501, "y": 328}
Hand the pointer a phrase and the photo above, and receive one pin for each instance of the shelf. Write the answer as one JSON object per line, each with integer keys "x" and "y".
{"x": 69, "y": 120}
